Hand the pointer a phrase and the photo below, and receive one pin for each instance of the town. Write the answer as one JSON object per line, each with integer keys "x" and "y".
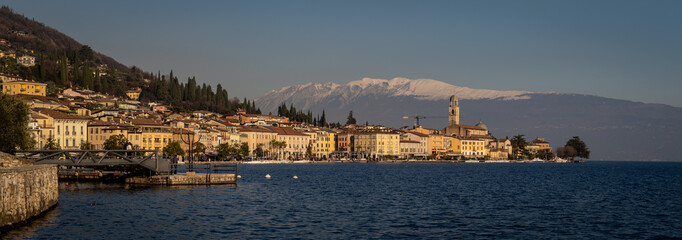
{"x": 88, "y": 120}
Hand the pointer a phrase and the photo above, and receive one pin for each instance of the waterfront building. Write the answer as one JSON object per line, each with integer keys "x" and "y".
{"x": 149, "y": 134}
{"x": 538, "y": 145}
{"x": 345, "y": 141}
{"x": 378, "y": 143}
{"x": 453, "y": 146}
{"x": 472, "y": 147}
{"x": 70, "y": 130}
{"x": 100, "y": 131}
{"x": 436, "y": 141}
{"x": 325, "y": 143}
{"x": 150, "y": 139}
{"x": 409, "y": 148}
{"x": 24, "y": 87}
{"x": 424, "y": 148}
{"x": 296, "y": 142}
{"x": 256, "y": 135}
{"x": 456, "y": 129}
{"x": 500, "y": 149}
{"x": 45, "y": 126}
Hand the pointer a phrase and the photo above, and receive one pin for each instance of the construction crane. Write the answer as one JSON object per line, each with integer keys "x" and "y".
{"x": 418, "y": 117}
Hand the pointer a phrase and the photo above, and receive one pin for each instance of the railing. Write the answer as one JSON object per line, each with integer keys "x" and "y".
{"x": 148, "y": 159}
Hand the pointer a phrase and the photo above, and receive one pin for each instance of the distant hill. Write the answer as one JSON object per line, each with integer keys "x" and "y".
{"x": 613, "y": 129}
{"x": 25, "y": 33}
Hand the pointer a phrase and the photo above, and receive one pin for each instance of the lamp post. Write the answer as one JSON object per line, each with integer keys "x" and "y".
{"x": 190, "y": 142}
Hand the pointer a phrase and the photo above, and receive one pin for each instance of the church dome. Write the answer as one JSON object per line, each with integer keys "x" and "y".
{"x": 480, "y": 124}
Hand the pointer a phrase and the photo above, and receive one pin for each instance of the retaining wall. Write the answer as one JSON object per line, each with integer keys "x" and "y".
{"x": 26, "y": 189}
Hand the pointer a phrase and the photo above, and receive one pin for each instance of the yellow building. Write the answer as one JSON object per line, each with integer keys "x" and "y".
{"x": 377, "y": 144}
{"x": 538, "y": 145}
{"x": 436, "y": 142}
{"x": 24, "y": 87}
{"x": 134, "y": 94}
{"x": 256, "y": 135}
{"x": 325, "y": 144}
{"x": 149, "y": 134}
{"x": 46, "y": 126}
{"x": 472, "y": 147}
{"x": 70, "y": 131}
{"x": 150, "y": 140}
{"x": 100, "y": 131}
{"x": 455, "y": 145}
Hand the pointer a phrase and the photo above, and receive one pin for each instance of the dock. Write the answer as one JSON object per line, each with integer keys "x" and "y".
{"x": 189, "y": 178}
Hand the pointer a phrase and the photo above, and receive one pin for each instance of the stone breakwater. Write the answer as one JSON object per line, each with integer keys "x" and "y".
{"x": 26, "y": 189}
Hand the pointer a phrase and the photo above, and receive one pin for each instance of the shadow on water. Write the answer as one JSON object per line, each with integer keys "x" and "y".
{"x": 28, "y": 230}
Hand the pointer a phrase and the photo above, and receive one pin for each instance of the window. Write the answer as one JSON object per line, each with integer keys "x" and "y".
{"x": 58, "y": 129}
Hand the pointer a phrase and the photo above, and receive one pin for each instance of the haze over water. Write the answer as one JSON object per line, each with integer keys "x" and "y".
{"x": 593, "y": 200}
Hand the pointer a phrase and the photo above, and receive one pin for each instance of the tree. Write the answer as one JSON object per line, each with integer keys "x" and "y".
{"x": 14, "y": 116}
{"x": 278, "y": 145}
{"x": 259, "y": 150}
{"x": 173, "y": 149}
{"x": 309, "y": 150}
{"x": 244, "y": 149}
{"x": 323, "y": 119}
{"x": 580, "y": 147}
{"x": 51, "y": 145}
{"x": 199, "y": 148}
{"x": 566, "y": 152}
{"x": 116, "y": 142}
{"x": 351, "y": 119}
{"x": 519, "y": 146}
{"x": 87, "y": 146}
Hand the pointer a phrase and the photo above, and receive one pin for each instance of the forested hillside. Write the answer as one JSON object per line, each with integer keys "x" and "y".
{"x": 62, "y": 62}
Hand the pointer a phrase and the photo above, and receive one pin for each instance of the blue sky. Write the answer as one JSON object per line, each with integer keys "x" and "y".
{"x": 621, "y": 49}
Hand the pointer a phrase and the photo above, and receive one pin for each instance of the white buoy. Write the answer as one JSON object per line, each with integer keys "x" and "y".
{"x": 295, "y": 177}
{"x": 267, "y": 176}
{"x": 239, "y": 176}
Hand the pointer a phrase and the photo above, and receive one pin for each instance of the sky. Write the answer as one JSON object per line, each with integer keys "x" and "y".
{"x": 619, "y": 49}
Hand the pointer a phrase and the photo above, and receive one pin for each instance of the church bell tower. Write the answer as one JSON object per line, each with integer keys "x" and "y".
{"x": 453, "y": 111}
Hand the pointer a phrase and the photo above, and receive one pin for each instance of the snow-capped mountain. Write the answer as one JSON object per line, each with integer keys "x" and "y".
{"x": 307, "y": 95}
{"x": 613, "y": 129}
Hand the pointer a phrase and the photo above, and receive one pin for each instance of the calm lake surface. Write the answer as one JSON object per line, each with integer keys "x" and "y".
{"x": 593, "y": 200}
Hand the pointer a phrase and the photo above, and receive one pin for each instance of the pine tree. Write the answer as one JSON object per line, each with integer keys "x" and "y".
{"x": 351, "y": 119}
{"x": 323, "y": 119}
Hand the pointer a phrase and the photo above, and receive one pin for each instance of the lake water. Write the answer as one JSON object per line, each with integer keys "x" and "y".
{"x": 593, "y": 200}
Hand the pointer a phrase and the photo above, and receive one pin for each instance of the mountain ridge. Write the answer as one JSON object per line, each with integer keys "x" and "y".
{"x": 614, "y": 129}
{"x": 423, "y": 89}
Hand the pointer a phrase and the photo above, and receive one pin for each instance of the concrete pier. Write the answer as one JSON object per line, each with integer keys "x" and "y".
{"x": 185, "y": 179}
{"x": 26, "y": 189}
